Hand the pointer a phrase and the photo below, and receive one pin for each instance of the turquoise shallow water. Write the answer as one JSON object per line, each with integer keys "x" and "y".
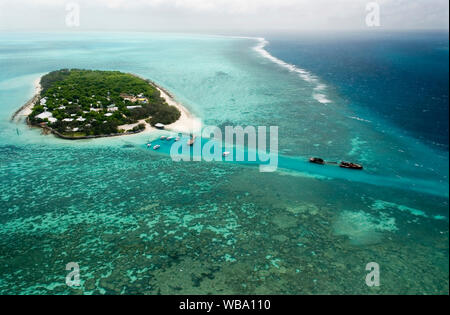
{"x": 137, "y": 222}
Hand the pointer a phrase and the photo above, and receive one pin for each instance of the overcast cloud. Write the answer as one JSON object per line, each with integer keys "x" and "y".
{"x": 222, "y": 15}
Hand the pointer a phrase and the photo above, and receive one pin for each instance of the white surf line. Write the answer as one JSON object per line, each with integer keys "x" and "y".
{"x": 359, "y": 119}
{"x": 307, "y": 76}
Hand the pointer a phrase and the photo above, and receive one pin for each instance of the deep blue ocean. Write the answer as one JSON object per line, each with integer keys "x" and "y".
{"x": 401, "y": 77}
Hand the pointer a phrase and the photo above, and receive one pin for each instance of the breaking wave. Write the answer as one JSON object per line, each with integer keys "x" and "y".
{"x": 319, "y": 91}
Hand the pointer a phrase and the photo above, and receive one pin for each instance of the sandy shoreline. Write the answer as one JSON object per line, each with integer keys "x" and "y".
{"x": 186, "y": 124}
{"x": 26, "y": 109}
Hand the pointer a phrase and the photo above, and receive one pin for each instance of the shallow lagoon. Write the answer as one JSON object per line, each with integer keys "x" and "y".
{"x": 137, "y": 222}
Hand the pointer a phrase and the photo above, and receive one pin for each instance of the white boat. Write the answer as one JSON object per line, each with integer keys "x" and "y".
{"x": 156, "y": 147}
{"x": 163, "y": 137}
{"x": 169, "y": 138}
{"x": 177, "y": 139}
{"x": 149, "y": 145}
{"x": 191, "y": 142}
{"x": 225, "y": 154}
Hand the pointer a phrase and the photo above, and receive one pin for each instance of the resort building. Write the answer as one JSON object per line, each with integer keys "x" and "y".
{"x": 143, "y": 100}
{"x": 113, "y": 108}
{"x": 134, "y": 99}
{"x": 127, "y": 97}
{"x": 48, "y": 116}
{"x": 44, "y": 115}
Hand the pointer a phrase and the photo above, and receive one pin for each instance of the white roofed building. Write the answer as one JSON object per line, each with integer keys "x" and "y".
{"x": 44, "y": 115}
{"x": 48, "y": 116}
{"x": 113, "y": 108}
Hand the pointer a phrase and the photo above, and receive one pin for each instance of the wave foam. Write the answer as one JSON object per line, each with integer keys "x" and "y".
{"x": 318, "y": 94}
{"x": 359, "y": 119}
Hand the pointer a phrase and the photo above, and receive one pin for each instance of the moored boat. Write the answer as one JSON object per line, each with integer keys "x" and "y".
{"x": 191, "y": 141}
{"x": 352, "y": 166}
{"x": 317, "y": 161}
{"x": 156, "y": 147}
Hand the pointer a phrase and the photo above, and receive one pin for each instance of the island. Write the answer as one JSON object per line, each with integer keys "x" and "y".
{"x": 83, "y": 104}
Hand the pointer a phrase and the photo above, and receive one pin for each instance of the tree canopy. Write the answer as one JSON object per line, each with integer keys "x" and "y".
{"x": 92, "y": 102}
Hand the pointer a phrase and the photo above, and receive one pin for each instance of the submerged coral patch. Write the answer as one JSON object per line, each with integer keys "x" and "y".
{"x": 363, "y": 228}
{"x": 384, "y": 205}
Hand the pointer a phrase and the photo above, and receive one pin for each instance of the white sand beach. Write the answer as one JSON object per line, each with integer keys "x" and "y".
{"x": 186, "y": 124}
{"x": 26, "y": 109}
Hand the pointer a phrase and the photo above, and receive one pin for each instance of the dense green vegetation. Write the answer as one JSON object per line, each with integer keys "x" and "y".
{"x": 86, "y": 102}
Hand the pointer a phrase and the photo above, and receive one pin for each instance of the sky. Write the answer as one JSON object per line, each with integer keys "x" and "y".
{"x": 210, "y": 16}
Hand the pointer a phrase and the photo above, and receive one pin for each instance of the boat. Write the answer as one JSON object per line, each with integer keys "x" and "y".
{"x": 225, "y": 154}
{"x": 177, "y": 139}
{"x": 352, "y": 166}
{"x": 169, "y": 138}
{"x": 149, "y": 145}
{"x": 317, "y": 161}
{"x": 191, "y": 142}
{"x": 156, "y": 147}
{"x": 163, "y": 138}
